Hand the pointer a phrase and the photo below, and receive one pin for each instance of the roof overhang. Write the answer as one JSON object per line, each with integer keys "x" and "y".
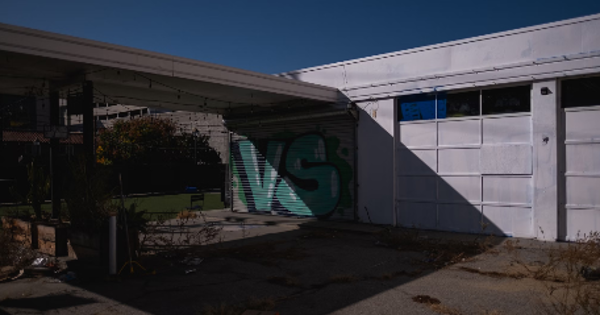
{"x": 33, "y": 60}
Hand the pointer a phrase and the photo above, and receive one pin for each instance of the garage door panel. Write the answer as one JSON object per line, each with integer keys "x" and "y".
{"x": 417, "y": 188}
{"x": 459, "y": 218}
{"x": 462, "y": 132}
{"x": 459, "y": 188}
{"x": 583, "y": 190}
{"x": 582, "y": 125}
{"x": 508, "y": 221}
{"x": 582, "y": 221}
{"x": 583, "y": 158}
{"x": 507, "y": 189}
{"x": 420, "y": 134}
{"x": 418, "y": 215}
{"x": 507, "y": 130}
{"x": 506, "y": 159}
{"x": 458, "y": 161}
{"x": 416, "y": 162}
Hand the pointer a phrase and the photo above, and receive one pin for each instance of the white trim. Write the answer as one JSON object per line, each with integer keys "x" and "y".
{"x": 451, "y": 43}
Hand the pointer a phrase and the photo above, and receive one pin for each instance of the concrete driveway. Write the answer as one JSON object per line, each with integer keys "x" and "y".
{"x": 303, "y": 266}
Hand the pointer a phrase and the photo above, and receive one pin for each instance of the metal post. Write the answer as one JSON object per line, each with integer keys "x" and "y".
{"x": 195, "y": 134}
{"x": 112, "y": 244}
{"x": 88, "y": 124}
{"x": 54, "y": 147}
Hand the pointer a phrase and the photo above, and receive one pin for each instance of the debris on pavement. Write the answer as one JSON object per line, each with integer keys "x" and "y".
{"x": 187, "y": 272}
{"x": 192, "y": 261}
{"x": 40, "y": 262}
{"x": 590, "y": 273}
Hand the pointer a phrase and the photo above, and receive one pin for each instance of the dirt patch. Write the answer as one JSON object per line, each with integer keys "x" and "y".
{"x": 493, "y": 274}
{"x": 425, "y": 299}
{"x": 435, "y": 305}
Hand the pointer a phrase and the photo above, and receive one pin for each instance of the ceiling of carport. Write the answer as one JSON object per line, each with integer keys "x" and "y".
{"x": 31, "y": 61}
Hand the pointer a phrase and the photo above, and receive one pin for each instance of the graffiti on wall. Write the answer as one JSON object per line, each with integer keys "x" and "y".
{"x": 303, "y": 175}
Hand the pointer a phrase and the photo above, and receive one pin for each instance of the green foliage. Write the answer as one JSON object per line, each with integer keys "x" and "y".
{"x": 150, "y": 140}
{"x": 38, "y": 188}
{"x": 89, "y": 198}
{"x": 136, "y": 219}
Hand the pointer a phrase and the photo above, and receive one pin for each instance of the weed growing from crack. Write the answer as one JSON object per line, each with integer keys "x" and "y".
{"x": 567, "y": 291}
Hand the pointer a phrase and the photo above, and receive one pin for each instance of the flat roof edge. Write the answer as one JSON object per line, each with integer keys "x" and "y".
{"x": 23, "y": 41}
{"x": 527, "y": 29}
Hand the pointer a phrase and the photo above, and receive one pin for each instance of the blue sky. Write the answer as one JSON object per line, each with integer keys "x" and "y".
{"x": 278, "y": 36}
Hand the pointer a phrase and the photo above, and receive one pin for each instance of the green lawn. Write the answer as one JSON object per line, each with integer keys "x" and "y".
{"x": 152, "y": 204}
{"x": 174, "y": 203}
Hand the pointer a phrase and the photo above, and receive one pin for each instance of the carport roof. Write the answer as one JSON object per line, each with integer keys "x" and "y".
{"x": 31, "y": 60}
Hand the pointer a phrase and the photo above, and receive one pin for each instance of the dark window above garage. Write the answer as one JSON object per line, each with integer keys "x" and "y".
{"x": 581, "y": 92}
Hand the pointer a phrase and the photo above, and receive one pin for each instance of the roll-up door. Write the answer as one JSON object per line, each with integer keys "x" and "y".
{"x": 295, "y": 167}
{"x": 580, "y": 199}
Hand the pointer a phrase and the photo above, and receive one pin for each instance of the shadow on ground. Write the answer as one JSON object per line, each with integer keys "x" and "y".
{"x": 297, "y": 271}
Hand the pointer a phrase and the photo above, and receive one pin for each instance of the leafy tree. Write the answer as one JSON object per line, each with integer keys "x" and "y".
{"x": 151, "y": 140}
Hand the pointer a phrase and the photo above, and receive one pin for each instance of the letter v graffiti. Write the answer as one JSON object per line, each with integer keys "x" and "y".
{"x": 259, "y": 172}
{"x": 295, "y": 177}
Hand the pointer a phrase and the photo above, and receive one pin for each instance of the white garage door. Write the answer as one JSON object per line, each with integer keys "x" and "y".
{"x": 581, "y": 105}
{"x": 464, "y": 161}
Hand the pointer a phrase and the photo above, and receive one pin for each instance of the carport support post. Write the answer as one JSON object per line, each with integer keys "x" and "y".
{"x": 54, "y": 147}
{"x": 89, "y": 133}
{"x": 546, "y": 168}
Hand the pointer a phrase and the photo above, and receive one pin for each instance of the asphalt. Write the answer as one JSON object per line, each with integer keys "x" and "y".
{"x": 302, "y": 266}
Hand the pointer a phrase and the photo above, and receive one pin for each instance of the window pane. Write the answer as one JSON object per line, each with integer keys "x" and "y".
{"x": 416, "y": 107}
{"x": 507, "y": 100}
{"x": 458, "y": 104}
{"x": 581, "y": 92}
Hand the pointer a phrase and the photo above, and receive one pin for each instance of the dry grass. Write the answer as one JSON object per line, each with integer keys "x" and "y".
{"x": 439, "y": 253}
{"x": 185, "y": 214}
{"x": 343, "y": 278}
{"x": 493, "y": 274}
{"x": 567, "y": 291}
{"x": 14, "y": 253}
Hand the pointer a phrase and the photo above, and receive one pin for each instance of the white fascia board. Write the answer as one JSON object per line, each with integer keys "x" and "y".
{"x": 45, "y": 44}
{"x": 445, "y": 45}
{"x": 478, "y": 78}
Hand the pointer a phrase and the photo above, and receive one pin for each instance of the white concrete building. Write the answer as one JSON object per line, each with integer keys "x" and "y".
{"x": 497, "y": 133}
{"x": 492, "y": 134}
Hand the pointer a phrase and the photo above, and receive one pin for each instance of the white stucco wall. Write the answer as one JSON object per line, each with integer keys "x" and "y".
{"x": 538, "y": 55}
{"x": 375, "y": 159}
